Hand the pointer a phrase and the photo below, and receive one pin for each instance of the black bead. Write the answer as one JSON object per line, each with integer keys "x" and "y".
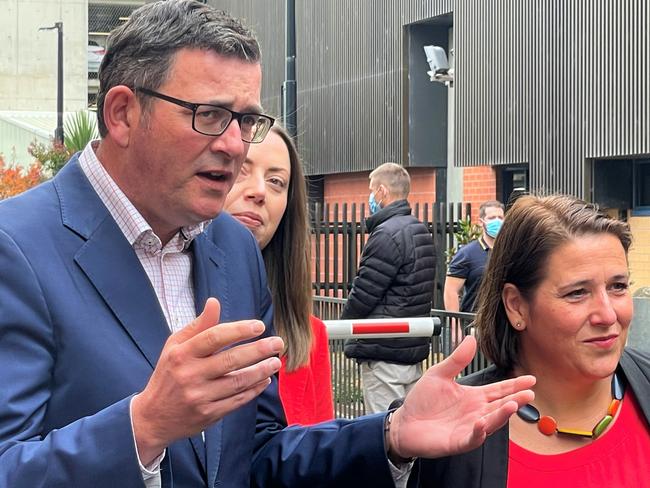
{"x": 528, "y": 413}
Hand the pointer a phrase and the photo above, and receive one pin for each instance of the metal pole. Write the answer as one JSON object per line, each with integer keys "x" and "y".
{"x": 58, "y": 134}
{"x": 289, "y": 86}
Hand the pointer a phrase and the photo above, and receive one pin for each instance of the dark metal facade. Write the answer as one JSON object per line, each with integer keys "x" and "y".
{"x": 553, "y": 84}
{"x": 350, "y": 72}
{"x": 266, "y": 18}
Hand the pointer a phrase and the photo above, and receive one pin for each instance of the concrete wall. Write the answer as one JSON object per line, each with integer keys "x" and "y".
{"x": 28, "y": 57}
{"x": 15, "y": 140}
{"x": 639, "y": 335}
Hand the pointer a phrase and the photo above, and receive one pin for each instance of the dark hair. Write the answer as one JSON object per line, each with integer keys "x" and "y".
{"x": 489, "y": 204}
{"x": 287, "y": 258}
{"x": 534, "y": 228}
{"x": 141, "y": 51}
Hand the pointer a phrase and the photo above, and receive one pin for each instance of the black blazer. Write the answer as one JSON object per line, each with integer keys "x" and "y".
{"x": 487, "y": 466}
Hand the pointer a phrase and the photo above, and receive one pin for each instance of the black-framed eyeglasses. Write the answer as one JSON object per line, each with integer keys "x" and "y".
{"x": 213, "y": 120}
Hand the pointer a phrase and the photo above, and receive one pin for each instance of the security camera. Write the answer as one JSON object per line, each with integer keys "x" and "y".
{"x": 437, "y": 60}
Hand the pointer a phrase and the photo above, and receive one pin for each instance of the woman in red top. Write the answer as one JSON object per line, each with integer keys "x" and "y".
{"x": 269, "y": 197}
{"x": 555, "y": 303}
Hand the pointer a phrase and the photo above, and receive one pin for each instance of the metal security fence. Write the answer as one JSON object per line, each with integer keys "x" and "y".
{"x": 339, "y": 233}
{"x": 346, "y": 373}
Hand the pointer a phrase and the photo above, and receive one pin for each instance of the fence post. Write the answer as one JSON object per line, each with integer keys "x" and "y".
{"x": 336, "y": 237}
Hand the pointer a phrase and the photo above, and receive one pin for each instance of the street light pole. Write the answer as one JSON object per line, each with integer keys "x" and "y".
{"x": 58, "y": 133}
{"x": 289, "y": 96}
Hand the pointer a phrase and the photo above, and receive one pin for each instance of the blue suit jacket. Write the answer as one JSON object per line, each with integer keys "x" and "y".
{"x": 80, "y": 332}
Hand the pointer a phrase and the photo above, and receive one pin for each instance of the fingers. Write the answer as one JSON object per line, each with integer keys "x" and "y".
{"x": 208, "y": 318}
{"x": 239, "y": 357}
{"x": 216, "y": 338}
{"x": 502, "y": 409}
{"x": 233, "y": 384}
{"x": 457, "y": 360}
{"x": 501, "y": 389}
{"x": 493, "y": 421}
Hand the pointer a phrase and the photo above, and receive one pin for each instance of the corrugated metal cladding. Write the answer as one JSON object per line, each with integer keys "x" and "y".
{"x": 266, "y": 18}
{"x": 350, "y": 71}
{"x": 553, "y": 84}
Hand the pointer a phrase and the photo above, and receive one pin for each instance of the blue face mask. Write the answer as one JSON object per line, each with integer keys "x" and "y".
{"x": 373, "y": 204}
{"x": 492, "y": 227}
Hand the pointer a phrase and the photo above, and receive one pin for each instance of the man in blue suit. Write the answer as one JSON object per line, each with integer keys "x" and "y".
{"x": 119, "y": 368}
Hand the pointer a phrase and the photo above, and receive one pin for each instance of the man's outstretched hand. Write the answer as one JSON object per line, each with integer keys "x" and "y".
{"x": 440, "y": 417}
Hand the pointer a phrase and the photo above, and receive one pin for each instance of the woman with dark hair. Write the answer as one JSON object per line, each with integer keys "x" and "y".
{"x": 555, "y": 303}
{"x": 270, "y": 198}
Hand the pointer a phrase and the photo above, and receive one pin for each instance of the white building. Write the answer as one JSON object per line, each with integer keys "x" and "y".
{"x": 29, "y": 63}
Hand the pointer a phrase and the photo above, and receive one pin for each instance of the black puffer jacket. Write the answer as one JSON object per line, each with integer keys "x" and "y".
{"x": 395, "y": 279}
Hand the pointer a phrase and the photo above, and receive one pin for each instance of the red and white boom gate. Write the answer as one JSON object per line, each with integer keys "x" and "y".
{"x": 383, "y": 328}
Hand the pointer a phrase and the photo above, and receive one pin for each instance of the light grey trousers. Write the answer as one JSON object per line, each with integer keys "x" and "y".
{"x": 384, "y": 382}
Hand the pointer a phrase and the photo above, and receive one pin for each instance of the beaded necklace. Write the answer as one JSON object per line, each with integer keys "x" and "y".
{"x": 547, "y": 425}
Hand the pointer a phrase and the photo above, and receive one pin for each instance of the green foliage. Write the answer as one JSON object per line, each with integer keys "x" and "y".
{"x": 466, "y": 233}
{"x": 51, "y": 157}
{"x": 79, "y": 130}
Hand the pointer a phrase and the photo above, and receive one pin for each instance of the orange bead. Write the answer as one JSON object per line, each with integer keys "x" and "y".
{"x": 547, "y": 425}
{"x": 613, "y": 407}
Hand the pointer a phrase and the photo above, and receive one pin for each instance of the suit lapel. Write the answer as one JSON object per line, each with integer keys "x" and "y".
{"x": 210, "y": 280}
{"x": 110, "y": 263}
{"x": 636, "y": 373}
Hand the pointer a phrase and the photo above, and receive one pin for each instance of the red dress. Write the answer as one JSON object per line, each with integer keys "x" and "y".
{"x": 620, "y": 457}
{"x": 306, "y": 392}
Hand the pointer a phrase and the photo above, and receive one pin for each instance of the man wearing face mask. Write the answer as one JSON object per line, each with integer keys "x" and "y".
{"x": 395, "y": 279}
{"x": 467, "y": 265}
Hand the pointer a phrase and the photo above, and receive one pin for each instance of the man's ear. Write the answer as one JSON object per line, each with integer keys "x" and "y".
{"x": 516, "y": 306}
{"x": 121, "y": 114}
{"x": 384, "y": 192}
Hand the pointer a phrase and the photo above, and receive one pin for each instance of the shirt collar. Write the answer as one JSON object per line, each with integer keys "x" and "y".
{"x": 483, "y": 244}
{"x": 135, "y": 228}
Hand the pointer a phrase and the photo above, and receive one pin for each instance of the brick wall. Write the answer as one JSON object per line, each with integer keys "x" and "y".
{"x": 353, "y": 187}
{"x": 479, "y": 185}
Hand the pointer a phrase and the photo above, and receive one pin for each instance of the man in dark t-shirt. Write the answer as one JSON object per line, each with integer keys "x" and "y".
{"x": 466, "y": 267}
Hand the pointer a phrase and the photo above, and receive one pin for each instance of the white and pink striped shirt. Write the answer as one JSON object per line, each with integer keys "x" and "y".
{"x": 169, "y": 268}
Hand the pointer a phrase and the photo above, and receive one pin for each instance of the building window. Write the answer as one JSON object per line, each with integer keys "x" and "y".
{"x": 642, "y": 186}
{"x": 512, "y": 182}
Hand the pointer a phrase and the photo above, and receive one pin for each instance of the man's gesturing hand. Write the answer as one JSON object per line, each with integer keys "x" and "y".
{"x": 197, "y": 381}
{"x": 439, "y": 417}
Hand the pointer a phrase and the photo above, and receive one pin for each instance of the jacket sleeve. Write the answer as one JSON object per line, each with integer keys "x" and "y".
{"x": 72, "y": 454}
{"x": 378, "y": 267}
{"x": 338, "y": 453}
